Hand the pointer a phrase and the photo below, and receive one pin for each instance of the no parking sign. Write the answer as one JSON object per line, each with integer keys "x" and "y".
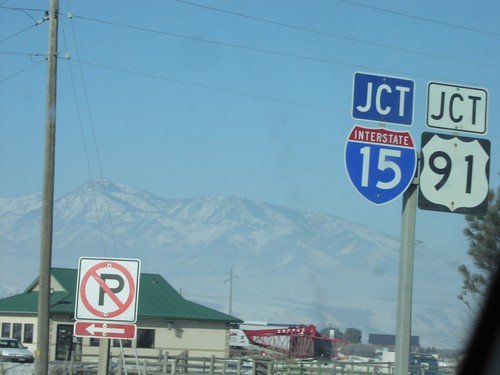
{"x": 107, "y": 289}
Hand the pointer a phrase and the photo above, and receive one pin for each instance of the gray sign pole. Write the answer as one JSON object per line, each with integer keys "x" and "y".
{"x": 104, "y": 348}
{"x": 405, "y": 286}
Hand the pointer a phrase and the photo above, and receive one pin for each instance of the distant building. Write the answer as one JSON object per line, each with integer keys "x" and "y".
{"x": 166, "y": 321}
{"x": 390, "y": 340}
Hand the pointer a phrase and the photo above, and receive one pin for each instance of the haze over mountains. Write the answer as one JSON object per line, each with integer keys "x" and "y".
{"x": 288, "y": 266}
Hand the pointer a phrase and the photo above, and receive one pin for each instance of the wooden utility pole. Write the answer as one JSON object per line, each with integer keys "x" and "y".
{"x": 42, "y": 349}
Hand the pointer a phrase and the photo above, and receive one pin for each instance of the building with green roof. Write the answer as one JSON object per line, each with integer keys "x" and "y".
{"x": 165, "y": 321}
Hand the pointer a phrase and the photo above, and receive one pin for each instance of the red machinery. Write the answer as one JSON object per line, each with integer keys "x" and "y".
{"x": 296, "y": 341}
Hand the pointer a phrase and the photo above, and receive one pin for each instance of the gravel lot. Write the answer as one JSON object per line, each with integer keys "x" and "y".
{"x": 10, "y": 368}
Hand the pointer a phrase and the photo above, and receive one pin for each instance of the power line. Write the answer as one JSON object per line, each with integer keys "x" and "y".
{"x": 221, "y": 89}
{"x": 35, "y": 23}
{"x": 21, "y": 71}
{"x": 466, "y": 28}
{"x": 24, "y": 9}
{"x": 215, "y": 88}
{"x": 285, "y": 54}
{"x": 16, "y": 34}
{"x": 299, "y": 28}
{"x": 318, "y": 32}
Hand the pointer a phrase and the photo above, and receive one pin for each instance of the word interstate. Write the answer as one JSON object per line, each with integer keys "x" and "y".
{"x": 380, "y": 136}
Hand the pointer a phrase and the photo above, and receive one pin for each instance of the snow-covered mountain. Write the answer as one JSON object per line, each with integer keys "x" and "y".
{"x": 290, "y": 266}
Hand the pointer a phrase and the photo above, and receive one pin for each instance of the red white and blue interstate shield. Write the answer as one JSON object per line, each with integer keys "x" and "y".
{"x": 381, "y": 163}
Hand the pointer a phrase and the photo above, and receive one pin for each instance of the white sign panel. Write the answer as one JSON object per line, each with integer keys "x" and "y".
{"x": 455, "y": 174}
{"x": 457, "y": 108}
{"x": 107, "y": 289}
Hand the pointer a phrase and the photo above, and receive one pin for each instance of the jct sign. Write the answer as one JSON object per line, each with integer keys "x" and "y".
{"x": 383, "y": 99}
{"x": 107, "y": 289}
{"x": 457, "y": 108}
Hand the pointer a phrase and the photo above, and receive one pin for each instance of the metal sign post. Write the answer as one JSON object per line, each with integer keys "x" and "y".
{"x": 405, "y": 286}
{"x": 381, "y": 165}
{"x": 107, "y": 301}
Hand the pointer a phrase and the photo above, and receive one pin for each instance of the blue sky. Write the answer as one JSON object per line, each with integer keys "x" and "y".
{"x": 249, "y": 98}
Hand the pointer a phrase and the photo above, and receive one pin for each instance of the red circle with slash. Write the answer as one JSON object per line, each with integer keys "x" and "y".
{"x": 122, "y": 306}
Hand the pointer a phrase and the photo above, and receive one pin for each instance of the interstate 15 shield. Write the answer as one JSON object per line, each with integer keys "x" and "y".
{"x": 381, "y": 163}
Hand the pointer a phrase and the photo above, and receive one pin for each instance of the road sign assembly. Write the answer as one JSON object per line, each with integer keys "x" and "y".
{"x": 107, "y": 289}
{"x": 381, "y": 163}
{"x": 457, "y": 108}
{"x": 383, "y": 99}
{"x": 454, "y": 174}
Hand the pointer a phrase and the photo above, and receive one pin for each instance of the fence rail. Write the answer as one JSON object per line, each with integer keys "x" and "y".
{"x": 164, "y": 364}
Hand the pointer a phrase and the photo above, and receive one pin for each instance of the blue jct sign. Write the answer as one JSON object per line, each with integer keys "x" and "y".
{"x": 381, "y": 163}
{"x": 383, "y": 99}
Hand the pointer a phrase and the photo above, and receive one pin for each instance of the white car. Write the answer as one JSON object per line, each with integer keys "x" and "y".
{"x": 11, "y": 350}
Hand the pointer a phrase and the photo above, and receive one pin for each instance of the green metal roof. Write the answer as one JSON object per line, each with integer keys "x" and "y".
{"x": 157, "y": 300}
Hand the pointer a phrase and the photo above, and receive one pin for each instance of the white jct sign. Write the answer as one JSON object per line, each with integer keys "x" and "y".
{"x": 455, "y": 174}
{"x": 457, "y": 108}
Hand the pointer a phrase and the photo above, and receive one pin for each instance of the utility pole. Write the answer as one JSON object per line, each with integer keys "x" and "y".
{"x": 42, "y": 349}
{"x": 232, "y": 276}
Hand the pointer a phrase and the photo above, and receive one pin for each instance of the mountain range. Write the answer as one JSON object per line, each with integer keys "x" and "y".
{"x": 258, "y": 261}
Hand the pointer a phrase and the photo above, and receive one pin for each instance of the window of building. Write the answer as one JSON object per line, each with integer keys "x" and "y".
{"x": 145, "y": 338}
{"x": 28, "y": 333}
{"x": 17, "y": 331}
{"x": 5, "y": 329}
{"x": 125, "y": 343}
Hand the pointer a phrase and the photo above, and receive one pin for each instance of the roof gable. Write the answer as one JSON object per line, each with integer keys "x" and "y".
{"x": 157, "y": 299}
{"x": 61, "y": 280}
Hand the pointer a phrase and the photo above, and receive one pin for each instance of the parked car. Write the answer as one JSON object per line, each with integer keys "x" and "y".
{"x": 11, "y": 350}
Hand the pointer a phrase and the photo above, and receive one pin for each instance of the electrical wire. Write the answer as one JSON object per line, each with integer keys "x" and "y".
{"x": 323, "y": 33}
{"x": 215, "y": 88}
{"x": 290, "y": 55}
{"x": 94, "y": 139}
{"x": 16, "y": 33}
{"x": 35, "y": 23}
{"x": 420, "y": 18}
{"x": 21, "y": 71}
{"x": 82, "y": 134}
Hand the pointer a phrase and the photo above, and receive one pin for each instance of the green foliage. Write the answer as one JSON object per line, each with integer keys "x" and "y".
{"x": 483, "y": 234}
{"x": 353, "y": 335}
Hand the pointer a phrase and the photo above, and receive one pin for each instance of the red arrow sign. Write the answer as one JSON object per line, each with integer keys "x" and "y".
{"x": 107, "y": 330}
